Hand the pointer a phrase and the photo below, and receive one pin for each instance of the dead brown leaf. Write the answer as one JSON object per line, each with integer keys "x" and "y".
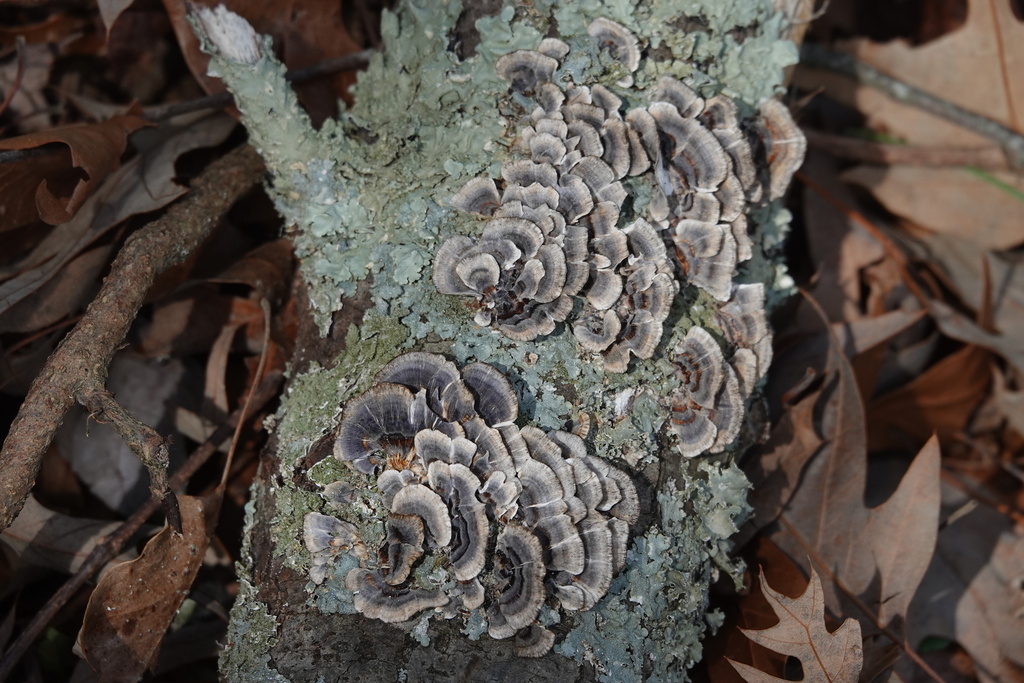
{"x": 972, "y": 592}
{"x": 839, "y": 247}
{"x": 939, "y": 401}
{"x": 134, "y": 603}
{"x": 29, "y": 104}
{"x": 954, "y": 201}
{"x": 979, "y": 67}
{"x": 825, "y": 657}
{"x": 54, "y": 187}
{"x": 1009, "y": 401}
{"x": 191, "y": 321}
{"x": 40, "y": 538}
{"x": 752, "y": 611}
{"x": 775, "y": 472}
{"x": 875, "y": 556}
{"x": 146, "y": 183}
{"x": 70, "y": 288}
{"x": 110, "y": 10}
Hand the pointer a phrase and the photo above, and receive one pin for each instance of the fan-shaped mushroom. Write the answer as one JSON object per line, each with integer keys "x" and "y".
{"x": 376, "y": 599}
{"x": 525, "y": 69}
{"x": 376, "y": 422}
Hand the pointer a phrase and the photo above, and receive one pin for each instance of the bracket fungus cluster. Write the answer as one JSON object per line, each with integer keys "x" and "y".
{"x": 513, "y": 517}
{"x": 556, "y": 225}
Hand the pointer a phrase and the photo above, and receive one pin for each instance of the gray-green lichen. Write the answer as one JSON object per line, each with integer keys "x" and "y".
{"x": 653, "y": 603}
{"x": 252, "y": 630}
{"x": 367, "y": 195}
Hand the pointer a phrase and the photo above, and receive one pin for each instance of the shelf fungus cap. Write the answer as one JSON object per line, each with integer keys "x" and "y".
{"x": 325, "y": 537}
{"x": 376, "y": 599}
{"x": 419, "y": 500}
{"x": 405, "y": 545}
{"x": 597, "y": 330}
{"x": 744, "y": 321}
{"x": 692, "y": 424}
{"x": 554, "y": 48}
{"x": 534, "y": 641}
{"x": 496, "y": 401}
{"x": 618, "y": 40}
{"x": 457, "y": 485}
{"x": 374, "y": 422}
{"x": 700, "y": 365}
{"x": 520, "y": 563}
{"x": 686, "y": 102}
{"x": 323, "y": 532}
{"x": 697, "y": 159}
{"x": 785, "y": 145}
{"x": 391, "y": 482}
{"x": 583, "y": 591}
{"x": 526, "y": 69}
{"x": 479, "y": 195}
{"x": 438, "y": 376}
{"x": 707, "y": 254}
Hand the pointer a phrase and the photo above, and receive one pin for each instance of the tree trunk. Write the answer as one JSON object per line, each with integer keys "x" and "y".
{"x": 368, "y": 197}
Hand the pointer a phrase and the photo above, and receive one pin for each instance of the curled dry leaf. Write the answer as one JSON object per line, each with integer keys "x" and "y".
{"x": 826, "y": 657}
{"x": 42, "y": 538}
{"x": 144, "y": 184}
{"x": 134, "y": 603}
{"x": 953, "y": 201}
{"x": 54, "y": 186}
{"x": 940, "y": 400}
{"x": 977, "y": 67}
{"x": 973, "y": 593}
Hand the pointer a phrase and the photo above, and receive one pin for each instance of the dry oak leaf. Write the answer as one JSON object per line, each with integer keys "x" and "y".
{"x": 875, "y": 556}
{"x": 135, "y": 602}
{"x": 979, "y": 67}
{"x": 984, "y": 209}
{"x": 825, "y": 657}
{"x": 54, "y": 186}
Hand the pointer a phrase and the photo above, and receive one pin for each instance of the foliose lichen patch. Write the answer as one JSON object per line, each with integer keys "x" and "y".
{"x": 370, "y": 194}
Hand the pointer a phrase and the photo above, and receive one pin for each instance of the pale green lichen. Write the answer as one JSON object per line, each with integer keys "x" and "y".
{"x": 252, "y": 631}
{"x": 654, "y": 614}
{"x": 368, "y": 195}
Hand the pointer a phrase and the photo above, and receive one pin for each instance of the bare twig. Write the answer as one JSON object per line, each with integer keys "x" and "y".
{"x": 81, "y": 360}
{"x": 110, "y": 546}
{"x": 147, "y": 445}
{"x": 882, "y": 153}
{"x": 1010, "y": 140}
{"x": 265, "y": 307}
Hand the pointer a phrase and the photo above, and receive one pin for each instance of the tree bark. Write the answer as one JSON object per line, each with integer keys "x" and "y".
{"x": 368, "y": 196}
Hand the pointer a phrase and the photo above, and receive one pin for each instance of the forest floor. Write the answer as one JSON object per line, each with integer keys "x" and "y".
{"x": 888, "y": 500}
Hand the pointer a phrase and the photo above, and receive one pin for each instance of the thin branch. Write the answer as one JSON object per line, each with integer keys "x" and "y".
{"x": 144, "y": 441}
{"x": 265, "y": 307}
{"x": 881, "y": 153}
{"x": 110, "y": 546}
{"x": 1008, "y": 139}
{"x": 85, "y": 354}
